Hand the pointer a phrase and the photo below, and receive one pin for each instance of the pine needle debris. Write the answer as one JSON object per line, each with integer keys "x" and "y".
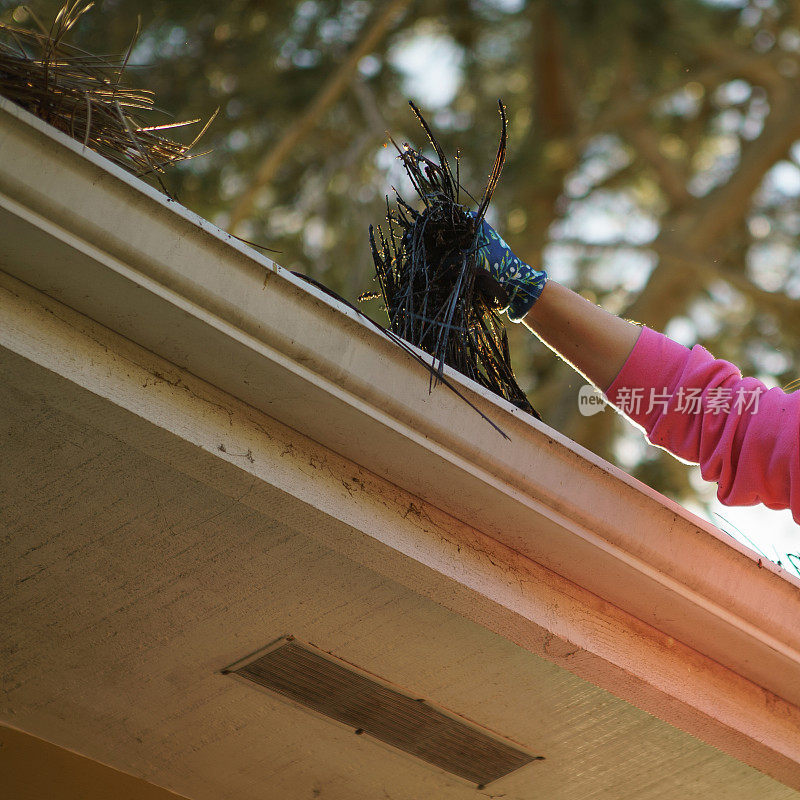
{"x": 84, "y": 96}
{"x": 436, "y": 296}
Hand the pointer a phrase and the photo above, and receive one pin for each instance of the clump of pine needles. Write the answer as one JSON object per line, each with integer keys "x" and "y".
{"x": 84, "y": 96}
{"x": 436, "y": 296}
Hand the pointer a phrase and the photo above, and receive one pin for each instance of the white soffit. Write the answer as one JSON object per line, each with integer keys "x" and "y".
{"x": 143, "y": 560}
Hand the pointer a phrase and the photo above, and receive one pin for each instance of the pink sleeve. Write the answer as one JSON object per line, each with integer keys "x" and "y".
{"x": 745, "y": 437}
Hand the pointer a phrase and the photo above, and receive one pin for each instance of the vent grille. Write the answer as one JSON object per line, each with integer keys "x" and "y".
{"x": 334, "y": 688}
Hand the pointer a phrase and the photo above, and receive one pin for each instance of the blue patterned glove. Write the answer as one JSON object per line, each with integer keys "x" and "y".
{"x": 522, "y": 282}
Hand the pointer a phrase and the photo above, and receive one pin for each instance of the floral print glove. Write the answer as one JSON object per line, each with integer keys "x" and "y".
{"x": 522, "y": 282}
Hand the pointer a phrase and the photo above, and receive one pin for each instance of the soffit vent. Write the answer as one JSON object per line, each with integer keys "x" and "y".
{"x": 332, "y": 687}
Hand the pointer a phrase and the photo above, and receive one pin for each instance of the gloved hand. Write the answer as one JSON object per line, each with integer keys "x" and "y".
{"x": 522, "y": 283}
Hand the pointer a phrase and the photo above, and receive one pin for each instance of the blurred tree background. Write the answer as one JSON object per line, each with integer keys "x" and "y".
{"x": 653, "y": 159}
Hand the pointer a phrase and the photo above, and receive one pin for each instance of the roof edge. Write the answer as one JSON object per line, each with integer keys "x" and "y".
{"x": 199, "y": 298}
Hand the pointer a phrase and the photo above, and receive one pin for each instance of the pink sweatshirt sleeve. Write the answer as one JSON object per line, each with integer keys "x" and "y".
{"x": 745, "y": 436}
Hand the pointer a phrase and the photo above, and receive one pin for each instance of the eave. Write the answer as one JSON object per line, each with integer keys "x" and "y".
{"x": 532, "y": 537}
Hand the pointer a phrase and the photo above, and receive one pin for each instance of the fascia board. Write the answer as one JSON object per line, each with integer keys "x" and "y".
{"x": 88, "y": 234}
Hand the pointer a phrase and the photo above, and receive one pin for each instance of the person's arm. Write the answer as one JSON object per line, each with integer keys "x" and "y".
{"x": 744, "y": 436}
{"x": 593, "y": 341}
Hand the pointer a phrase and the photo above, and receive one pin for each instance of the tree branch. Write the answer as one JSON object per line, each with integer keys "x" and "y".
{"x": 645, "y": 141}
{"x": 555, "y": 105}
{"x": 758, "y": 69}
{"x": 777, "y": 302}
{"x": 327, "y": 95}
{"x": 722, "y": 209}
{"x": 702, "y": 226}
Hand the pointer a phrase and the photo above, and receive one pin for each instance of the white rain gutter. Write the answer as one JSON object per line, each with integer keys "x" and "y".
{"x": 91, "y": 236}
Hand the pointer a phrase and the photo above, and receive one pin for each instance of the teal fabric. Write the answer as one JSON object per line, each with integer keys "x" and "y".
{"x": 522, "y": 282}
